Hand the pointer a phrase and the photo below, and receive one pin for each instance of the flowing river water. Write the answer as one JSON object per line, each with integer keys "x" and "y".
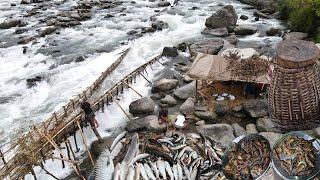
{"x": 98, "y": 40}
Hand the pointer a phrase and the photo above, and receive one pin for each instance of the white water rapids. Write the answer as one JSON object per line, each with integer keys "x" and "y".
{"x": 21, "y": 107}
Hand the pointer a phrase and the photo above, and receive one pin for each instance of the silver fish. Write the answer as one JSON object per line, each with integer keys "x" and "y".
{"x": 117, "y": 139}
{"x": 175, "y": 172}
{"x": 143, "y": 172}
{"x": 133, "y": 148}
{"x": 131, "y": 173}
{"x": 166, "y": 140}
{"x": 124, "y": 168}
{"x": 149, "y": 172}
{"x": 162, "y": 169}
{"x": 104, "y": 168}
{"x": 187, "y": 148}
{"x": 155, "y": 169}
{"x": 117, "y": 149}
{"x": 180, "y": 172}
{"x": 138, "y": 157}
{"x": 169, "y": 170}
{"x": 137, "y": 172}
{"x": 178, "y": 147}
{"x": 117, "y": 172}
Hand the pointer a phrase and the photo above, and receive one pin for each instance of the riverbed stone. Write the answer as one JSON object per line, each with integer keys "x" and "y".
{"x": 25, "y": 2}
{"x": 272, "y": 137}
{"x": 260, "y": 14}
{"x": 170, "y": 52}
{"x": 244, "y": 17}
{"x": 266, "y": 125}
{"x": 218, "y": 32}
{"x": 295, "y": 36}
{"x": 163, "y": 3}
{"x": 224, "y": 17}
{"x": 153, "y": 124}
{"x": 159, "y": 25}
{"x": 187, "y": 107}
{"x": 26, "y": 39}
{"x": 143, "y": 105}
{"x": 273, "y": 31}
{"x": 10, "y": 23}
{"x": 256, "y": 108}
{"x": 244, "y": 53}
{"x": 208, "y": 116}
{"x": 232, "y": 39}
{"x": 221, "y": 108}
{"x": 186, "y": 91}
{"x": 144, "y": 123}
{"x": 245, "y": 30}
{"x": 169, "y": 100}
{"x": 222, "y": 133}
{"x": 211, "y": 46}
{"x": 238, "y": 130}
{"x": 164, "y": 85}
{"x": 251, "y": 129}
{"x": 47, "y": 31}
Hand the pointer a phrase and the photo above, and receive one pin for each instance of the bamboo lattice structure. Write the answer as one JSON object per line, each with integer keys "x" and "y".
{"x": 31, "y": 149}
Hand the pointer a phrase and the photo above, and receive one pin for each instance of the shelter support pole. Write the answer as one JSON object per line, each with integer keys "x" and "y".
{"x": 70, "y": 146}
{"x": 132, "y": 89}
{"x": 85, "y": 143}
{"x": 121, "y": 107}
{"x": 145, "y": 77}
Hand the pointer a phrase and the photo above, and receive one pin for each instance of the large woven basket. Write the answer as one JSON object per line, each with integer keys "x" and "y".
{"x": 294, "y": 93}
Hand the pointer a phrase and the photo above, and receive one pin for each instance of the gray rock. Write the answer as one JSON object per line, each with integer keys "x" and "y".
{"x": 238, "y": 130}
{"x": 266, "y": 125}
{"x": 221, "y": 108}
{"x": 211, "y": 46}
{"x": 222, "y": 133}
{"x": 170, "y": 52}
{"x": 159, "y": 25}
{"x": 261, "y": 4}
{"x": 132, "y": 32}
{"x": 244, "y": 17}
{"x": 200, "y": 123}
{"x": 47, "y": 31}
{"x": 187, "y": 107}
{"x": 225, "y": 17}
{"x": 143, "y": 105}
{"x": 25, "y": 1}
{"x": 271, "y": 136}
{"x": 10, "y": 23}
{"x": 245, "y": 30}
{"x": 260, "y": 15}
{"x": 232, "y": 39}
{"x": 153, "y": 124}
{"x": 187, "y": 79}
{"x": 183, "y": 46}
{"x": 186, "y": 91}
{"x": 145, "y": 123}
{"x": 164, "y": 85}
{"x": 256, "y": 108}
{"x": 218, "y": 32}
{"x": 26, "y": 40}
{"x": 98, "y": 147}
{"x": 295, "y": 36}
{"x": 206, "y": 115}
{"x": 273, "y": 32}
{"x": 251, "y": 129}
{"x": 51, "y": 22}
{"x": 169, "y": 100}
{"x": 163, "y": 3}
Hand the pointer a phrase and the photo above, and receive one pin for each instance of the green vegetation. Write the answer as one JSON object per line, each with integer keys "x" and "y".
{"x": 302, "y": 15}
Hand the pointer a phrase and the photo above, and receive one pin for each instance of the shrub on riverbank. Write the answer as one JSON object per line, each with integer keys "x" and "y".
{"x": 302, "y": 15}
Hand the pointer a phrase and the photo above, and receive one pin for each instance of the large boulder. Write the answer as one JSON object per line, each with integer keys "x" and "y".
{"x": 143, "y": 105}
{"x": 225, "y": 17}
{"x": 169, "y": 100}
{"x": 186, "y": 91}
{"x": 222, "y": 133}
{"x": 10, "y": 23}
{"x": 211, "y": 46}
{"x": 187, "y": 107}
{"x": 256, "y": 108}
{"x": 164, "y": 85}
{"x": 245, "y": 30}
{"x": 295, "y": 36}
{"x": 170, "y": 52}
{"x": 218, "y": 32}
{"x": 266, "y": 125}
{"x": 145, "y": 123}
{"x": 243, "y": 53}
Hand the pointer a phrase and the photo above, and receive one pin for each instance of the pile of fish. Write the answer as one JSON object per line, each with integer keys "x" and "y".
{"x": 296, "y": 156}
{"x": 248, "y": 159}
{"x": 176, "y": 156}
{"x": 223, "y": 96}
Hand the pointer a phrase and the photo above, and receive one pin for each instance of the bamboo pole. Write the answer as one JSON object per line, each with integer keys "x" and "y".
{"x": 132, "y": 88}
{"x": 120, "y": 107}
{"x": 71, "y": 149}
{"x": 145, "y": 77}
{"x": 42, "y": 167}
{"x": 85, "y": 143}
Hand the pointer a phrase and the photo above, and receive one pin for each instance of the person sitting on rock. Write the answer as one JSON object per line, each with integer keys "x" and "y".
{"x": 163, "y": 115}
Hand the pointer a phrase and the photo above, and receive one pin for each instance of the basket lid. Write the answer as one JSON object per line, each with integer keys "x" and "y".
{"x": 296, "y": 53}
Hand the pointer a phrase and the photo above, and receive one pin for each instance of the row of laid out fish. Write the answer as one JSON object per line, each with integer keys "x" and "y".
{"x": 176, "y": 156}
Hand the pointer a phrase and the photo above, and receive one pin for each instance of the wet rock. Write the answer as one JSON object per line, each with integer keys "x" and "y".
{"x": 232, "y": 39}
{"x": 244, "y": 17}
{"x": 153, "y": 124}
{"x": 156, "y": 96}
{"x": 164, "y": 85}
{"x": 20, "y": 30}
{"x": 295, "y": 36}
{"x": 218, "y": 32}
{"x": 271, "y": 136}
{"x": 159, "y": 25}
{"x": 170, "y": 52}
{"x": 211, "y": 46}
{"x": 25, "y": 2}
{"x": 163, "y": 3}
{"x": 169, "y": 100}
{"x": 98, "y": 147}
{"x": 47, "y": 31}
{"x": 260, "y": 15}
{"x": 245, "y": 30}
{"x": 143, "y": 105}
{"x": 244, "y": 53}
{"x": 168, "y": 73}
{"x": 108, "y": 16}
{"x": 13, "y": 4}
{"x": 187, "y": 107}
{"x": 51, "y": 22}
{"x": 225, "y": 17}
{"x": 186, "y": 91}
{"x": 145, "y": 123}
{"x": 33, "y": 81}
{"x": 132, "y": 32}
{"x": 238, "y": 130}
{"x": 10, "y": 23}
{"x": 256, "y": 19}
{"x": 251, "y": 129}
{"x": 183, "y": 47}
{"x": 273, "y": 32}
{"x": 261, "y": 4}
{"x": 208, "y": 116}
{"x": 25, "y": 48}
{"x": 26, "y": 39}
{"x": 268, "y": 10}
{"x": 256, "y": 108}
{"x": 221, "y": 108}
{"x": 147, "y": 30}
{"x": 266, "y": 125}
{"x": 222, "y": 133}
{"x": 238, "y": 112}
{"x": 80, "y": 59}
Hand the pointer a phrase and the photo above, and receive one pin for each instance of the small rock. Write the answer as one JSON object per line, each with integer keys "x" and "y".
{"x": 251, "y": 129}
{"x": 169, "y": 100}
{"x": 222, "y": 133}
{"x": 260, "y": 15}
{"x": 295, "y": 36}
{"x": 47, "y": 31}
{"x": 80, "y": 58}
{"x": 318, "y": 45}
{"x": 206, "y": 115}
{"x": 13, "y": 4}
{"x": 26, "y": 40}
{"x": 25, "y": 1}
{"x": 183, "y": 47}
{"x": 163, "y": 3}
{"x": 51, "y": 22}
{"x": 170, "y": 52}
{"x": 232, "y": 39}
{"x": 147, "y": 30}
{"x": 266, "y": 125}
{"x": 132, "y": 32}
{"x": 200, "y": 123}
{"x": 244, "y": 53}
{"x": 187, "y": 107}
{"x": 145, "y": 123}
{"x": 10, "y": 23}
{"x": 221, "y": 108}
{"x": 159, "y": 25}
{"x": 238, "y": 130}
{"x": 164, "y": 85}
{"x": 20, "y": 30}
{"x": 156, "y": 96}
{"x": 244, "y": 17}
{"x": 186, "y": 91}
{"x": 143, "y": 105}
{"x": 245, "y": 30}
{"x": 256, "y": 108}
{"x": 33, "y": 81}
{"x": 153, "y": 124}
{"x": 218, "y": 32}
{"x": 256, "y": 19}
{"x": 271, "y": 136}
{"x": 273, "y": 32}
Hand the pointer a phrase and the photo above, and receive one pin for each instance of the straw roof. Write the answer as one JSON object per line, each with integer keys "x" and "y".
{"x": 218, "y": 68}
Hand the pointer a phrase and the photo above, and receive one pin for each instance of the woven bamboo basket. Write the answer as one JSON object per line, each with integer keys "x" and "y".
{"x": 294, "y": 92}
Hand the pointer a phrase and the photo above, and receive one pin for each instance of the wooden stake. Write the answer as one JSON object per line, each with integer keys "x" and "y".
{"x": 75, "y": 142}
{"x": 33, "y": 174}
{"x": 42, "y": 167}
{"x": 132, "y": 88}
{"x": 85, "y": 143}
{"x": 70, "y": 146}
{"x": 121, "y": 107}
{"x": 68, "y": 150}
{"x": 63, "y": 165}
{"x": 145, "y": 77}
